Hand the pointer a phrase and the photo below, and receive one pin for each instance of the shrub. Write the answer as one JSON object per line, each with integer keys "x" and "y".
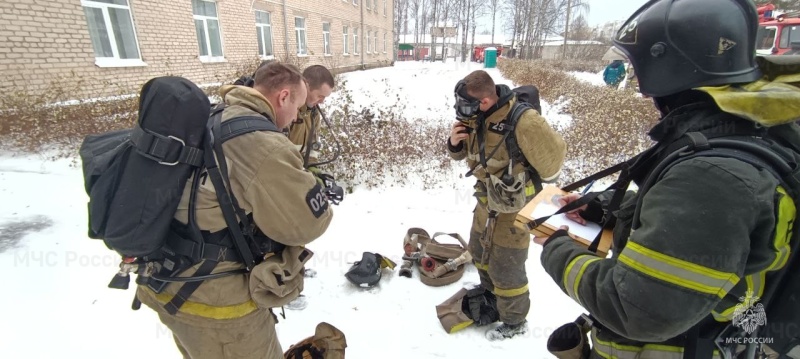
{"x": 53, "y": 122}
{"x": 383, "y": 148}
{"x": 379, "y": 147}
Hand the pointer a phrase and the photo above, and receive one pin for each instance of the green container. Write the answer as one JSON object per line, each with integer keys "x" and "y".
{"x": 490, "y": 58}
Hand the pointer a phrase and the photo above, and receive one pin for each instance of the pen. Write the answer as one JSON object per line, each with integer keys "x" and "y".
{"x": 586, "y": 189}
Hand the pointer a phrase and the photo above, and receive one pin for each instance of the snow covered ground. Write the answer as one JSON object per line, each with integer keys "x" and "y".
{"x": 424, "y": 90}
{"x": 590, "y": 77}
{"x": 56, "y": 303}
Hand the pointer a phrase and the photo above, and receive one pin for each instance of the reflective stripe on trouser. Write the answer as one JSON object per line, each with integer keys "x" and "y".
{"x": 504, "y": 274}
{"x": 249, "y": 337}
{"x": 611, "y": 350}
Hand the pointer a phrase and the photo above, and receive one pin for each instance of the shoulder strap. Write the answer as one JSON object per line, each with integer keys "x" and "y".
{"x": 514, "y": 152}
{"x": 754, "y": 153}
{"x": 240, "y": 125}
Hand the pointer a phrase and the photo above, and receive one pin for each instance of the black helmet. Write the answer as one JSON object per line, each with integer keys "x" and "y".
{"x": 367, "y": 272}
{"x": 677, "y": 45}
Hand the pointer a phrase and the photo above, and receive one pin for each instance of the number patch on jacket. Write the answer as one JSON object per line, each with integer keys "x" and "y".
{"x": 499, "y": 128}
{"x": 317, "y": 201}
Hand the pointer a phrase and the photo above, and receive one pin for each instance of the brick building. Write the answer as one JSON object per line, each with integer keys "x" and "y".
{"x": 117, "y": 45}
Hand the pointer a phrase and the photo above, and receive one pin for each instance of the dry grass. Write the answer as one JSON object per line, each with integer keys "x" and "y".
{"x": 608, "y": 126}
{"x": 380, "y": 146}
{"x": 55, "y": 123}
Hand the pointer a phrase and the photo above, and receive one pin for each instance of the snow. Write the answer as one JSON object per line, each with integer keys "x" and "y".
{"x": 56, "y": 302}
{"x": 423, "y": 90}
{"x": 590, "y": 77}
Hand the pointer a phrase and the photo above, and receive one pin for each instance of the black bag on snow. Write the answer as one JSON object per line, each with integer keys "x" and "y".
{"x": 135, "y": 177}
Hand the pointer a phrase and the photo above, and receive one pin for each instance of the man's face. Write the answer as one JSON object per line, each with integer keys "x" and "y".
{"x": 318, "y": 95}
{"x": 486, "y": 102}
{"x": 289, "y": 102}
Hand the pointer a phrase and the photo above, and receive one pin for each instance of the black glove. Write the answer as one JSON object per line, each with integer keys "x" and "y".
{"x": 334, "y": 192}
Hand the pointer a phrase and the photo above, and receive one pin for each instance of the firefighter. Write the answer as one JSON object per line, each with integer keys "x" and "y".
{"x": 499, "y": 249}
{"x": 231, "y": 317}
{"x": 700, "y": 246}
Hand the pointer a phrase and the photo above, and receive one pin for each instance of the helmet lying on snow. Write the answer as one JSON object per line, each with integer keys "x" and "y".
{"x": 367, "y": 271}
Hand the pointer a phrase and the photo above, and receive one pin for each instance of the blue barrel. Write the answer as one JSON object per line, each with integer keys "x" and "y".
{"x": 490, "y": 57}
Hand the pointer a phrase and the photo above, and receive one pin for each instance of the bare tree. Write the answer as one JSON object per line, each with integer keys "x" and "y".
{"x": 784, "y": 5}
{"x": 580, "y": 30}
{"x": 493, "y": 4}
{"x": 464, "y": 17}
{"x": 414, "y": 7}
{"x": 435, "y": 23}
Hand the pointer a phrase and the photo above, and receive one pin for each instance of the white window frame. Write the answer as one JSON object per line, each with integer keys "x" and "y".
{"x": 384, "y": 42}
{"x": 366, "y": 39}
{"x": 345, "y": 36}
{"x": 375, "y": 42}
{"x": 355, "y": 2}
{"x": 375, "y": 6}
{"x": 384, "y": 9}
{"x": 326, "y": 39}
{"x": 355, "y": 41}
{"x": 115, "y": 61}
{"x": 369, "y": 7}
{"x": 260, "y": 27}
{"x": 297, "y": 37}
{"x": 210, "y": 57}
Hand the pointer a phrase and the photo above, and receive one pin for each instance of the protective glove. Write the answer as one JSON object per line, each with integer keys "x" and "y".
{"x": 333, "y": 191}
{"x": 317, "y": 175}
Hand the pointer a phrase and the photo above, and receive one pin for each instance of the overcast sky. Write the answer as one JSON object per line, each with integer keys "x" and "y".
{"x": 601, "y": 12}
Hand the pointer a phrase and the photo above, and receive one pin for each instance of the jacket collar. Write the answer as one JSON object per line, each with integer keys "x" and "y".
{"x": 249, "y": 98}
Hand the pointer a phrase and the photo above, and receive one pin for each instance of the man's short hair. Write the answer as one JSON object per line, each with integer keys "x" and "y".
{"x": 480, "y": 84}
{"x": 276, "y": 75}
{"x": 316, "y": 75}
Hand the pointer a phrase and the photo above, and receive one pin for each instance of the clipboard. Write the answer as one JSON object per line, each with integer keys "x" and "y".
{"x": 544, "y": 204}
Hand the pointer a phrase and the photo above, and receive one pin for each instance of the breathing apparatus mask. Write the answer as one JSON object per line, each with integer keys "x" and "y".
{"x": 467, "y": 107}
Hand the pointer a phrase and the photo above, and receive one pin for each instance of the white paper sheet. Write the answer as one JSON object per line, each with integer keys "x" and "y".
{"x": 588, "y": 231}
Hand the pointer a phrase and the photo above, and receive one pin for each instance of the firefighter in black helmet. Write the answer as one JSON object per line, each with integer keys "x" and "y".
{"x": 695, "y": 247}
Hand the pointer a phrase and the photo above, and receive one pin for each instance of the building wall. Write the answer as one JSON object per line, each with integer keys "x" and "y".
{"x": 46, "y": 41}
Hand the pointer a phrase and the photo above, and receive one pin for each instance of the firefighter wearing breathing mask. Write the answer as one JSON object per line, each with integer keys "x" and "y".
{"x": 503, "y": 186}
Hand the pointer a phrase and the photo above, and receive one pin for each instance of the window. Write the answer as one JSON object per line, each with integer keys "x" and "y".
{"x": 789, "y": 34}
{"x": 366, "y": 39}
{"x": 345, "y": 35}
{"x": 111, "y": 30}
{"x": 384, "y": 7}
{"x": 375, "y": 6}
{"x": 355, "y": 41}
{"x": 209, "y": 37}
{"x": 369, "y": 7}
{"x": 326, "y": 38}
{"x": 765, "y": 38}
{"x": 300, "y": 35}
{"x": 375, "y": 42}
{"x": 355, "y": 2}
{"x": 384, "y": 42}
{"x": 264, "y": 32}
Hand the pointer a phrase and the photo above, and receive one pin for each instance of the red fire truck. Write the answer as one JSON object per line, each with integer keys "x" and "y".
{"x": 777, "y": 31}
{"x": 477, "y": 52}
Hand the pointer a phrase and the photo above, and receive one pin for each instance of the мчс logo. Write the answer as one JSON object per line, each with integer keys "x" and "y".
{"x": 749, "y": 314}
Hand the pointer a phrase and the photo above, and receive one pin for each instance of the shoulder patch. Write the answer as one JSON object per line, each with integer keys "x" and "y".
{"x": 316, "y": 201}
